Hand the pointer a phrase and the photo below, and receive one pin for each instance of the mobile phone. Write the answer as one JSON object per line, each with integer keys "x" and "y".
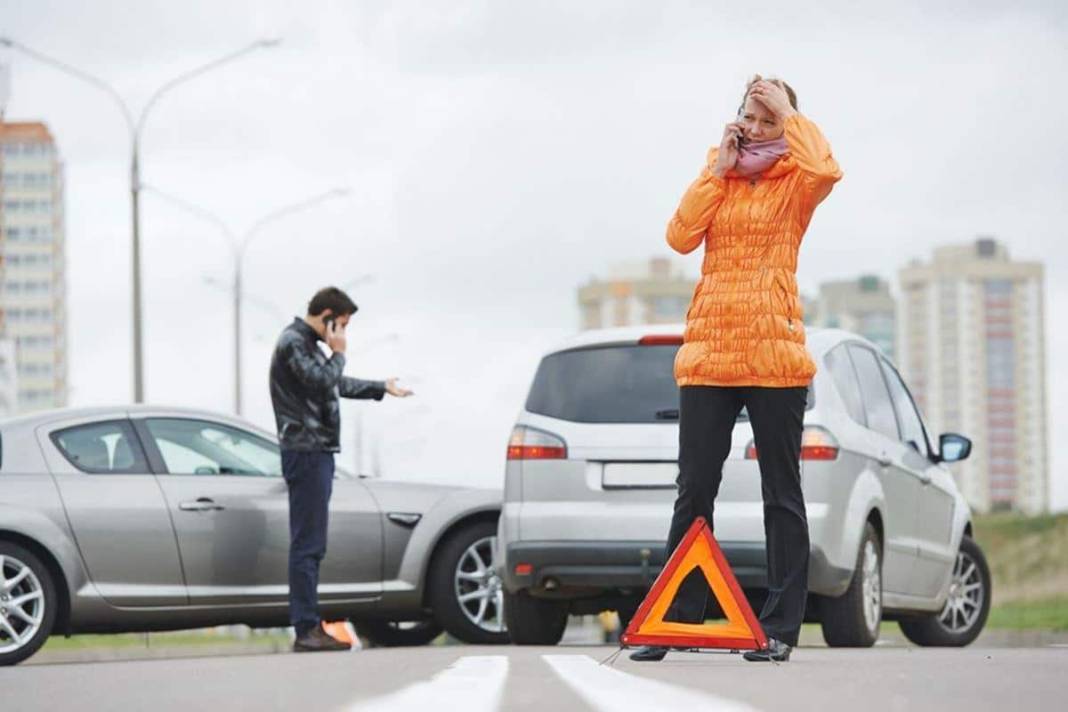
{"x": 328, "y": 320}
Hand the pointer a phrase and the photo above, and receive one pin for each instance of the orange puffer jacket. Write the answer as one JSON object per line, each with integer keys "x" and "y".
{"x": 744, "y": 326}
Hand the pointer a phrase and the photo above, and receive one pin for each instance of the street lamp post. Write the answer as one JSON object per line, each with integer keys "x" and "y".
{"x": 136, "y": 128}
{"x": 239, "y": 246}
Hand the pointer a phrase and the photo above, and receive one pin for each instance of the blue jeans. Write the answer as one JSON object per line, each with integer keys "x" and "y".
{"x": 310, "y": 478}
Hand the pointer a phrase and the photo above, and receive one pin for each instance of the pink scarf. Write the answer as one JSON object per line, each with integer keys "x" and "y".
{"x": 755, "y": 157}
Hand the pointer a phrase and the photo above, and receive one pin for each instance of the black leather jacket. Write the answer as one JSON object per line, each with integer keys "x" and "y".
{"x": 305, "y": 386}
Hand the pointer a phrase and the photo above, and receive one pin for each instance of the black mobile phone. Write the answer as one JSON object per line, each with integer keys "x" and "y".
{"x": 328, "y": 320}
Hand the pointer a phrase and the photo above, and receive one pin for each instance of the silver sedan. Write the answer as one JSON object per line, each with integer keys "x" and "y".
{"x": 139, "y": 518}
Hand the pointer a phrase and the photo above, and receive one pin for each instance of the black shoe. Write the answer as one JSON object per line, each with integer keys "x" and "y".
{"x": 649, "y": 654}
{"x": 318, "y": 640}
{"x": 777, "y": 652}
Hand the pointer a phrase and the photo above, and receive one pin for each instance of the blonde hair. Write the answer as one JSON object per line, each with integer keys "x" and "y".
{"x": 777, "y": 82}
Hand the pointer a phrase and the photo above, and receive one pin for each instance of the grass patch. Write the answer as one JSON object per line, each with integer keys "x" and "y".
{"x": 1028, "y": 556}
{"x": 1050, "y": 614}
{"x": 160, "y": 640}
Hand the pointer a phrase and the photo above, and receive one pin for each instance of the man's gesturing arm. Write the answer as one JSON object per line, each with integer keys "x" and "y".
{"x": 357, "y": 388}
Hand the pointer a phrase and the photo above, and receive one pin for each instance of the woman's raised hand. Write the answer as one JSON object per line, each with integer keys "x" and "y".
{"x": 728, "y": 149}
{"x": 772, "y": 96}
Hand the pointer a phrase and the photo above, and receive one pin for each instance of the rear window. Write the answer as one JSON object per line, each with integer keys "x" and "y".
{"x": 610, "y": 384}
{"x": 613, "y": 384}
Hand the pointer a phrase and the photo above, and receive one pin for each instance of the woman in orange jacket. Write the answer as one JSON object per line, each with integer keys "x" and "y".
{"x": 744, "y": 343}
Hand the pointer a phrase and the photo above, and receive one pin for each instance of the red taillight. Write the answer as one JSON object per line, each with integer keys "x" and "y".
{"x": 532, "y": 444}
{"x": 524, "y": 569}
{"x": 661, "y": 340}
{"x": 816, "y": 444}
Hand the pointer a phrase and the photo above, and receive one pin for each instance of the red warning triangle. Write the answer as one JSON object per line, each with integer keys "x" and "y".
{"x": 698, "y": 549}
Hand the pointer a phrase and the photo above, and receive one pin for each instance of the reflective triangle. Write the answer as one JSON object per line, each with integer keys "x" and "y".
{"x": 698, "y": 549}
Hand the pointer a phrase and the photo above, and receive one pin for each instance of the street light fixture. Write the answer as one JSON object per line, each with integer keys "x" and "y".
{"x": 239, "y": 247}
{"x": 136, "y": 129}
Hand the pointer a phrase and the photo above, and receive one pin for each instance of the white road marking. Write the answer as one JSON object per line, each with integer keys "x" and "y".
{"x": 473, "y": 683}
{"x": 609, "y": 690}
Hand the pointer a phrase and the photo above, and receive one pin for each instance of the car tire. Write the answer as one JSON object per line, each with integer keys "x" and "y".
{"x": 964, "y": 614}
{"x": 534, "y": 621}
{"x": 398, "y": 634}
{"x": 462, "y": 567}
{"x": 852, "y": 619}
{"x": 31, "y": 579}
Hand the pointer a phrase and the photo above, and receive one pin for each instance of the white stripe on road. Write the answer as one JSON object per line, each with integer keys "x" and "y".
{"x": 609, "y": 690}
{"x": 474, "y": 683}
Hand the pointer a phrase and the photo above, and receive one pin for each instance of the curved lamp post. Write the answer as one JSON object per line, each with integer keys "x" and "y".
{"x": 239, "y": 245}
{"x": 136, "y": 129}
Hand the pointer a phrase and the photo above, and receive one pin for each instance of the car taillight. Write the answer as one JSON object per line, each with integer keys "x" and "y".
{"x": 816, "y": 444}
{"x": 533, "y": 444}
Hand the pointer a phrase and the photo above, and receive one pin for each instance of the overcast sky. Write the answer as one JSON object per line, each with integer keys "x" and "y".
{"x": 499, "y": 154}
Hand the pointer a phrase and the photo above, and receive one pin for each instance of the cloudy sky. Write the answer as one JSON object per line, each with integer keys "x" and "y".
{"x": 499, "y": 154}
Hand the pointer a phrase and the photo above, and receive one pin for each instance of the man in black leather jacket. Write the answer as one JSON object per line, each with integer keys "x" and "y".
{"x": 305, "y": 387}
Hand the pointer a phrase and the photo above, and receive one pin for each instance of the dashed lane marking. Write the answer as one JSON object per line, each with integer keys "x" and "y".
{"x": 609, "y": 690}
{"x": 473, "y": 682}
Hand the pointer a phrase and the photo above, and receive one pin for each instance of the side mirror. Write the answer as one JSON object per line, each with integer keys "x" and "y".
{"x": 953, "y": 447}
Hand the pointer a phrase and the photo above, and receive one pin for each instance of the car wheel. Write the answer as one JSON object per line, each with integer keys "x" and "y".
{"x": 534, "y": 621}
{"x": 962, "y": 618}
{"x": 27, "y": 604}
{"x": 852, "y": 619}
{"x": 398, "y": 634}
{"x": 465, "y": 591}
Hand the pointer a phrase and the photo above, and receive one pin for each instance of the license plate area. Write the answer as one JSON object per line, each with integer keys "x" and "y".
{"x": 639, "y": 475}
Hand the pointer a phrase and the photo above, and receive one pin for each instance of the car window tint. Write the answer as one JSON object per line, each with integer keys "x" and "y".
{"x": 877, "y": 407}
{"x": 845, "y": 381}
{"x": 103, "y": 447}
{"x": 610, "y": 384}
{"x": 200, "y": 447}
{"x": 907, "y": 415}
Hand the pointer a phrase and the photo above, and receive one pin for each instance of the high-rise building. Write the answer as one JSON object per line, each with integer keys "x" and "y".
{"x": 972, "y": 339}
{"x": 9, "y": 379}
{"x": 32, "y": 263}
{"x": 863, "y": 305}
{"x": 655, "y": 292}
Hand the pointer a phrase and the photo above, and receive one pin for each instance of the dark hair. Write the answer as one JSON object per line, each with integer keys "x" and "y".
{"x": 777, "y": 82}
{"x": 333, "y": 299}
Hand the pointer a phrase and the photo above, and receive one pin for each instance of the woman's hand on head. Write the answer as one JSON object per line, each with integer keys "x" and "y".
{"x": 772, "y": 96}
{"x": 728, "y": 149}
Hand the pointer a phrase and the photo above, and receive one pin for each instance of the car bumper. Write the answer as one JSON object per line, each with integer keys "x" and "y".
{"x": 592, "y": 566}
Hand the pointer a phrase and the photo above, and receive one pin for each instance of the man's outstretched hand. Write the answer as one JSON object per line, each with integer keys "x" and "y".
{"x": 394, "y": 390}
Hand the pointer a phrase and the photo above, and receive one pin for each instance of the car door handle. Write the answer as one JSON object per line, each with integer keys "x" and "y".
{"x": 884, "y": 461}
{"x": 203, "y": 504}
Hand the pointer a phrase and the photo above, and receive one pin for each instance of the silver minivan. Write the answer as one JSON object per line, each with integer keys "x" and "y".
{"x": 590, "y": 483}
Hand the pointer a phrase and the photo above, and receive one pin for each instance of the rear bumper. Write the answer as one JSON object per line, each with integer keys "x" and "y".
{"x": 589, "y": 567}
{"x": 604, "y": 565}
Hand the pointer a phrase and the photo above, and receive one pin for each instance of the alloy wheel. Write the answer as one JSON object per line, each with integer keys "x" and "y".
{"x": 966, "y": 594}
{"x": 22, "y": 604}
{"x": 872, "y": 588}
{"x": 478, "y": 587}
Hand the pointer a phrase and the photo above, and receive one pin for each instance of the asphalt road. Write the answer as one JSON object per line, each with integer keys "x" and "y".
{"x": 474, "y": 679}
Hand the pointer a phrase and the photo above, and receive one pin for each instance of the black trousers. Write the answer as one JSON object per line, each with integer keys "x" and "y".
{"x": 706, "y": 420}
{"x": 310, "y": 477}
